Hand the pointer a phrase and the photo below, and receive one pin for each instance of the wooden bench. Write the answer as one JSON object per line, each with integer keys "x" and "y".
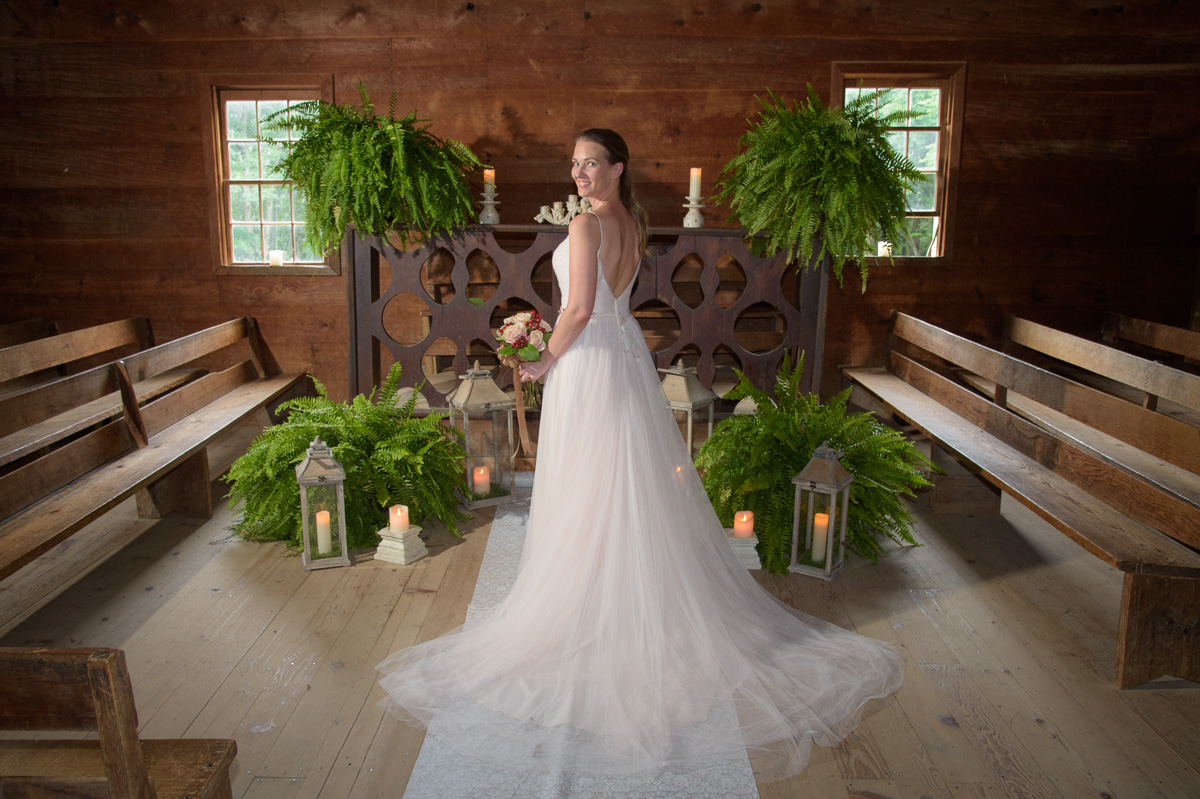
{"x": 1146, "y": 525}
{"x": 45, "y": 357}
{"x": 1153, "y": 336}
{"x": 137, "y": 426}
{"x": 89, "y": 690}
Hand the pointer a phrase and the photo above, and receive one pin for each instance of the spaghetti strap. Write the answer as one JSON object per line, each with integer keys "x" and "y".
{"x": 601, "y": 224}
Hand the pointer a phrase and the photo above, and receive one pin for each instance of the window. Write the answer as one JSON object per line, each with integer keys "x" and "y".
{"x": 930, "y": 139}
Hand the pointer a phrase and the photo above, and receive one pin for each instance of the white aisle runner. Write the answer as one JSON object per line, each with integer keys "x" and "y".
{"x": 443, "y": 773}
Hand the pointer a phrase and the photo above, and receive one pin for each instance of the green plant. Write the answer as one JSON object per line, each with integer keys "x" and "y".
{"x": 819, "y": 181}
{"x": 389, "y": 457}
{"x": 750, "y": 460}
{"x": 379, "y": 173}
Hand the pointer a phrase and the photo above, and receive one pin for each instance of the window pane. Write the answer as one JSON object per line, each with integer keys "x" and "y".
{"x": 897, "y": 139}
{"x": 265, "y": 109}
{"x": 916, "y": 242}
{"x": 851, "y": 96}
{"x": 247, "y": 245}
{"x": 239, "y": 119}
{"x": 892, "y": 101}
{"x": 243, "y": 203}
{"x": 297, "y": 205}
{"x": 920, "y": 197}
{"x": 926, "y": 102}
{"x": 272, "y": 154}
{"x": 243, "y": 161}
{"x": 279, "y": 237}
{"x": 307, "y": 255}
{"x": 275, "y": 206}
{"x": 922, "y": 148}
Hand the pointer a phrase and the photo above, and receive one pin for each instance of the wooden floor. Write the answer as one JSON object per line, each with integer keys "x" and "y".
{"x": 1008, "y": 630}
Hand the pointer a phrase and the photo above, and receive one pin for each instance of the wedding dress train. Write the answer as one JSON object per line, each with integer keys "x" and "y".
{"x": 632, "y": 639}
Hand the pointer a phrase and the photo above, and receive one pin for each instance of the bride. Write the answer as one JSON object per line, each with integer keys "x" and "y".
{"x": 632, "y": 639}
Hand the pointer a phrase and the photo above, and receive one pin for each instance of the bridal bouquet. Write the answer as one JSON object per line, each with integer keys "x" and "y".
{"x": 522, "y": 337}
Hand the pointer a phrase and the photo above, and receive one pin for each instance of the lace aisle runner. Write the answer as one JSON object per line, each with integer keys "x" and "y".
{"x": 443, "y": 773}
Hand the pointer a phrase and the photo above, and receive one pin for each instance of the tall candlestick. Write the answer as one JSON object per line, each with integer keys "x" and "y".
{"x": 324, "y": 537}
{"x": 820, "y": 536}
{"x": 694, "y": 187}
{"x": 482, "y": 480}
{"x": 743, "y": 524}
{"x": 398, "y": 518}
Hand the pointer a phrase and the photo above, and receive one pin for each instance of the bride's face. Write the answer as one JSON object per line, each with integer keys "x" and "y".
{"x": 595, "y": 178}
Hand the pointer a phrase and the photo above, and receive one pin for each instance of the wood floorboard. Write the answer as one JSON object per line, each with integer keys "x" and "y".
{"x": 1007, "y": 630}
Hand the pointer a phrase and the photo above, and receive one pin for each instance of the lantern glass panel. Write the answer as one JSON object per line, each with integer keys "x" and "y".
{"x": 323, "y": 538}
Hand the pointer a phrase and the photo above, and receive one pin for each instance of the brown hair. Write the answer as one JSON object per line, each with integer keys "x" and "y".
{"x": 618, "y": 153}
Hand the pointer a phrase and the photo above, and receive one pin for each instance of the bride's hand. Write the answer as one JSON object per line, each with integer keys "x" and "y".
{"x": 532, "y": 370}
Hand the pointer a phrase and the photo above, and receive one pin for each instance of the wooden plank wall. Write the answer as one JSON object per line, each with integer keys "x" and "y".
{"x": 1077, "y": 194}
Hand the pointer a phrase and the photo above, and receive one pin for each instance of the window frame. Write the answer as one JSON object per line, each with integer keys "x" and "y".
{"x": 266, "y": 87}
{"x": 950, "y": 77}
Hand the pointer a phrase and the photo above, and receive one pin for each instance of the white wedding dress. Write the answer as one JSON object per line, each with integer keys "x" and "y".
{"x": 632, "y": 639}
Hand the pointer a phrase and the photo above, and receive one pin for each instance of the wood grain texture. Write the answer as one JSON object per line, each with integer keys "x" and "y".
{"x": 64, "y": 348}
{"x": 1174, "y": 340}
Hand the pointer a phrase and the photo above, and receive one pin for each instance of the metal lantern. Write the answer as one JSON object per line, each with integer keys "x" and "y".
{"x": 822, "y": 506}
{"x": 685, "y": 392}
{"x": 322, "y": 508}
{"x": 488, "y": 467}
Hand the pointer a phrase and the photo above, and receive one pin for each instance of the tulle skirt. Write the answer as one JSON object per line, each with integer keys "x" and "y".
{"x": 632, "y": 639}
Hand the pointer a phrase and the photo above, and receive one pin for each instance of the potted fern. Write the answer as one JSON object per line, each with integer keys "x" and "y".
{"x": 819, "y": 181}
{"x": 389, "y": 457}
{"x": 750, "y": 460}
{"x": 381, "y": 174}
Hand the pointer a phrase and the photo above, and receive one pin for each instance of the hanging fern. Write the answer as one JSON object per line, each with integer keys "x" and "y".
{"x": 750, "y": 460}
{"x": 820, "y": 181}
{"x": 380, "y": 174}
{"x": 389, "y": 456}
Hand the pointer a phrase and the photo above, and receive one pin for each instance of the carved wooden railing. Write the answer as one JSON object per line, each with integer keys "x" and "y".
{"x": 433, "y": 309}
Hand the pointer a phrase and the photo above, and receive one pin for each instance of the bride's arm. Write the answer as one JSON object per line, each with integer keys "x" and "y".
{"x": 584, "y": 232}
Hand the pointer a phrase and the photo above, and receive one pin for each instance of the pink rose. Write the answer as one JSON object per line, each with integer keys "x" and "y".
{"x": 511, "y": 333}
{"x": 537, "y": 339}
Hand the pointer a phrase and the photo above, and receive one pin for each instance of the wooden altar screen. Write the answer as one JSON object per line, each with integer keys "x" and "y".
{"x": 693, "y": 276}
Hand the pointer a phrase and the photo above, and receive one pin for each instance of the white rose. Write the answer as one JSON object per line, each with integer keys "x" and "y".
{"x": 537, "y": 339}
{"x": 511, "y": 333}
{"x": 523, "y": 318}
{"x": 546, "y": 326}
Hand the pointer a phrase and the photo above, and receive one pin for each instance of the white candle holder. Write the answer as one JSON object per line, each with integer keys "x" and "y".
{"x": 560, "y": 214}
{"x": 693, "y": 218}
{"x": 488, "y": 214}
{"x": 745, "y": 549}
{"x": 403, "y": 547}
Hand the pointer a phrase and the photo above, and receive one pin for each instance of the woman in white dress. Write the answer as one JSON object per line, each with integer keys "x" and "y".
{"x": 632, "y": 639}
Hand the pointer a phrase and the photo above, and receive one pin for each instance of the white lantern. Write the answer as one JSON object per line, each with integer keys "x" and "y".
{"x": 322, "y": 508}
{"x": 822, "y": 506}
{"x": 488, "y": 467}
{"x": 686, "y": 393}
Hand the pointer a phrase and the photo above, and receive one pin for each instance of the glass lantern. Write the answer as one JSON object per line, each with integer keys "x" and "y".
{"x": 322, "y": 508}
{"x": 489, "y": 468}
{"x": 822, "y": 506}
{"x": 686, "y": 393}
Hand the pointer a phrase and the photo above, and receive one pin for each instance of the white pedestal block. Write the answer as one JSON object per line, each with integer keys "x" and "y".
{"x": 402, "y": 548}
{"x": 745, "y": 550}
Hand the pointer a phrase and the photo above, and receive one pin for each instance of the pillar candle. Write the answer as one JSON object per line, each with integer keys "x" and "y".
{"x": 398, "y": 518}
{"x": 743, "y": 524}
{"x": 820, "y": 536}
{"x": 324, "y": 538}
{"x": 489, "y": 177}
{"x": 483, "y": 480}
{"x": 275, "y": 257}
{"x": 694, "y": 188}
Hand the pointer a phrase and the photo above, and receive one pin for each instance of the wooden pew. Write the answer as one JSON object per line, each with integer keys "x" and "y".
{"x": 89, "y": 690}
{"x": 1155, "y": 336}
{"x": 1145, "y": 525}
{"x": 139, "y": 427}
{"x": 32, "y": 362}
{"x": 25, "y": 330}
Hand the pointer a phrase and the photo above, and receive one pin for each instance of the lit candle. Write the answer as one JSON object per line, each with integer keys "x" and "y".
{"x": 483, "y": 480}
{"x": 275, "y": 257}
{"x": 324, "y": 539}
{"x": 743, "y": 524}
{"x": 398, "y": 518}
{"x": 694, "y": 188}
{"x": 489, "y": 180}
{"x": 820, "y": 536}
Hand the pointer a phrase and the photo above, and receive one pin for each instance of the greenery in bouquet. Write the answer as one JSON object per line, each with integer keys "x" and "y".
{"x": 523, "y": 337}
